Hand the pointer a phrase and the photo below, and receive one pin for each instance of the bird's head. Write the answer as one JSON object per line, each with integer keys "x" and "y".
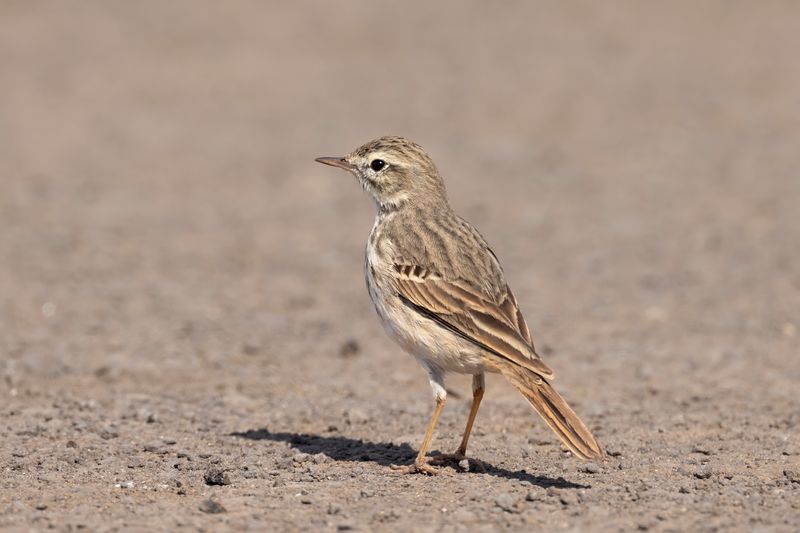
{"x": 395, "y": 171}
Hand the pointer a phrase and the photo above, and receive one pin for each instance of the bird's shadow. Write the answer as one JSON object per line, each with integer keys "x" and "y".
{"x": 384, "y": 454}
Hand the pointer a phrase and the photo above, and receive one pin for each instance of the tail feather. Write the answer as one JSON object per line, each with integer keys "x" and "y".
{"x": 555, "y": 412}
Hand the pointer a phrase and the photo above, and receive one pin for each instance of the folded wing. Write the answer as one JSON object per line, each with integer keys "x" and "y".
{"x": 494, "y": 324}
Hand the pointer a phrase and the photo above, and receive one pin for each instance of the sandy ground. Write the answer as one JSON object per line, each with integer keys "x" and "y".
{"x": 186, "y": 342}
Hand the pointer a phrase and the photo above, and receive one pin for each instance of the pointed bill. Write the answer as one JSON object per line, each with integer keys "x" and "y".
{"x": 340, "y": 162}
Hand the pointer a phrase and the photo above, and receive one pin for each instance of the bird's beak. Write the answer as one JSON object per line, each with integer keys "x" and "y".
{"x": 340, "y": 162}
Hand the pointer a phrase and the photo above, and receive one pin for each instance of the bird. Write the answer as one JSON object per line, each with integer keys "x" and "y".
{"x": 441, "y": 294}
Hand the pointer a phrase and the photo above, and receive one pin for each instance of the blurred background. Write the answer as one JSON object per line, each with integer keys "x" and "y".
{"x": 165, "y": 232}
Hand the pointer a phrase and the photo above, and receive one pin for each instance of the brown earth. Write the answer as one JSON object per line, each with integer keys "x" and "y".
{"x": 184, "y": 327}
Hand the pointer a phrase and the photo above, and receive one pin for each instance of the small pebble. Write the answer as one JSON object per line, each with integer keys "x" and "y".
{"x": 284, "y": 463}
{"x": 216, "y": 476}
{"x": 155, "y": 446}
{"x": 704, "y": 450}
{"x": 590, "y": 468}
{"x": 356, "y": 416}
{"x": 568, "y": 498}
{"x": 250, "y": 349}
{"x": 535, "y": 495}
{"x": 349, "y": 348}
{"x": 704, "y": 472}
{"x": 109, "y": 433}
{"x": 212, "y": 507}
{"x": 320, "y": 458}
{"x": 505, "y": 501}
{"x": 792, "y": 475}
{"x": 614, "y": 451}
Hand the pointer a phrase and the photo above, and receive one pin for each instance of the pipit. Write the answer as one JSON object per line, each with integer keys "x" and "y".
{"x": 441, "y": 294}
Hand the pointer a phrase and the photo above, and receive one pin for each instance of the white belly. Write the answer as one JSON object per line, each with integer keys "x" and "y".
{"x": 430, "y": 343}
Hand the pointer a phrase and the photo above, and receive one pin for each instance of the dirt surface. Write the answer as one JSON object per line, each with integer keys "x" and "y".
{"x": 185, "y": 337}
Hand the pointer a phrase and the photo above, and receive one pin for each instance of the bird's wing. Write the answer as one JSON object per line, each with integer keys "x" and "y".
{"x": 498, "y": 328}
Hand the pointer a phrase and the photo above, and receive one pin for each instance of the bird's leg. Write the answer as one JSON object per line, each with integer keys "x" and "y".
{"x": 478, "y": 386}
{"x": 420, "y": 465}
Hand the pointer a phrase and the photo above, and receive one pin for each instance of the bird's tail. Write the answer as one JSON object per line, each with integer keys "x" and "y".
{"x": 555, "y": 411}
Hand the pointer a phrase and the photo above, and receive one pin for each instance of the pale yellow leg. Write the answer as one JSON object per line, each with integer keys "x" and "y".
{"x": 477, "y": 396}
{"x": 478, "y": 386}
{"x": 420, "y": 464}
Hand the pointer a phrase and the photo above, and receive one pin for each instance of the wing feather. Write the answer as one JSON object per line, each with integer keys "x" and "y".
{"x": 498, "y": 328}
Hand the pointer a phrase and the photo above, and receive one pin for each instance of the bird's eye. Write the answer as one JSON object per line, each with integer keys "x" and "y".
{"x": 377, "y": 164}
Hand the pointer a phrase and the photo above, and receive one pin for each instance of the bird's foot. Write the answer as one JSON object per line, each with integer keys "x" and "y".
{"x": 417, "y": 467}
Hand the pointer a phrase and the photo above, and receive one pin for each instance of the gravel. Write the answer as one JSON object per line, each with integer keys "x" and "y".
{"x": 212, "y": 507}
{"x": 181, "y": 294}
{"x": 590, "y": 468}
{"x": 216, "y": 476}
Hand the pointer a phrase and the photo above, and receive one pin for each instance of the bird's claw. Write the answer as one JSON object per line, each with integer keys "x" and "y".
{"x": 417, "y": 467}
